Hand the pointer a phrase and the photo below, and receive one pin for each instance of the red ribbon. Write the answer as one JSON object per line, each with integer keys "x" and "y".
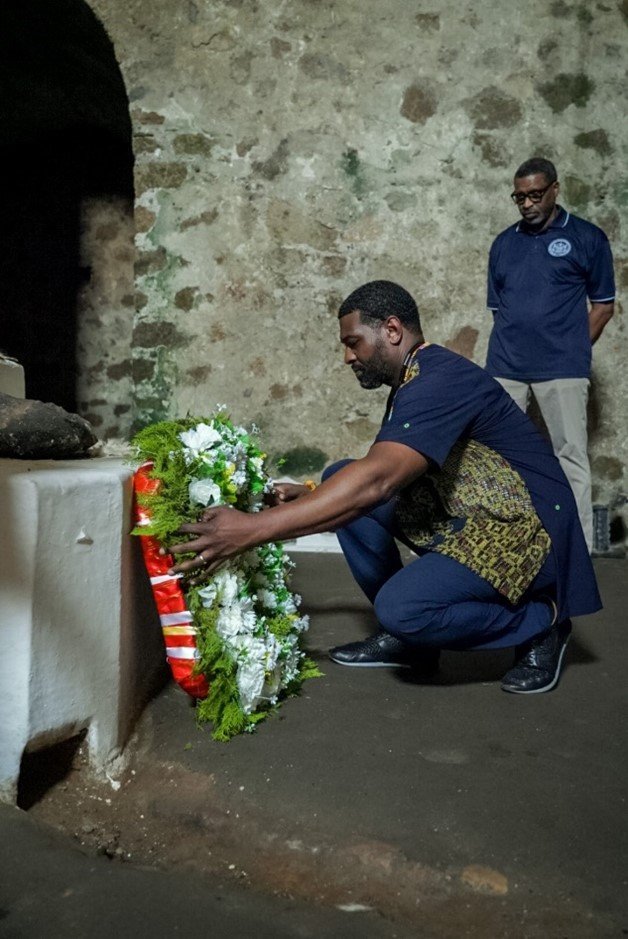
{"x": 169, "y": 595}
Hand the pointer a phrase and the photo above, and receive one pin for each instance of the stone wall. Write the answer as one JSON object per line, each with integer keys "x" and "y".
{"x": 287, "y": 152}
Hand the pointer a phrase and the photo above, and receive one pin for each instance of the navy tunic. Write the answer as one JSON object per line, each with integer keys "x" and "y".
{"x": 451, "y": 400}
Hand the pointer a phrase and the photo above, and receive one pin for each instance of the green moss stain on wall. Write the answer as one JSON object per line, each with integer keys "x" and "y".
{"x": 153, "y": 395}
{"x": 577, "y": 192}
{"x": 594, "y": 140}
{"x": 352, "y": 167}
{"x": 567, "y": 88}
{"x": 299, "y": 461}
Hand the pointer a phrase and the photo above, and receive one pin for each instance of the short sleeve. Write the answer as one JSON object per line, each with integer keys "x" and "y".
{"x": 432, "y": 411}
{"x": 600, "y": 279}
{"x": 492, "y": 298}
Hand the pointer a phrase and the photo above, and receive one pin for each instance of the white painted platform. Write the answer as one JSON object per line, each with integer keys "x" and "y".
{"x": 325, "y": 543}
{"x": 80, "y": 638}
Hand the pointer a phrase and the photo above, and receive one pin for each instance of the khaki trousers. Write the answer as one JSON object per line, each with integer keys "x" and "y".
{"x": 563, "y": 404}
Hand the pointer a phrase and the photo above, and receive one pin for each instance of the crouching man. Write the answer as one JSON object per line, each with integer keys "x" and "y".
{"x": 460, "y": 475}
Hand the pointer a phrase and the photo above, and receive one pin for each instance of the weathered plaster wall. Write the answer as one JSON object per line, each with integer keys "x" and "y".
{"x": 106, "y": 305}
{"x": 288, "y": 151}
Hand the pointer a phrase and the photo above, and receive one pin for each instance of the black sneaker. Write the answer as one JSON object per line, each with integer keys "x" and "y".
{"x": 385, "y": 651}
{"x": 538, "y": 663}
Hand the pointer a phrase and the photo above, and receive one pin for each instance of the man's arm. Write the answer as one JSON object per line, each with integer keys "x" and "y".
{"x": 492, "y": 289}
{"x": 225, "y": 533}
{"x": 599, "y": 315}
{"x": 600, "y": 284}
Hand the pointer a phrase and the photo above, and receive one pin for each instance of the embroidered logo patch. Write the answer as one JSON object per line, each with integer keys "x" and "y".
{"x": 559, "y": 247}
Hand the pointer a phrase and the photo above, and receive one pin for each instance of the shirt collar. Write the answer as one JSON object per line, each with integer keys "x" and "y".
{"x": 561, "y": 220}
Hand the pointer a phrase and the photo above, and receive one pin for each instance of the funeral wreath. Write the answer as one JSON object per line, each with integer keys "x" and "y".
{"x": 234, "y": 641}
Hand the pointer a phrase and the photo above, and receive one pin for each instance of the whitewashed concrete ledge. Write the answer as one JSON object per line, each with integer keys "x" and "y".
{"x": 80, "y": 638}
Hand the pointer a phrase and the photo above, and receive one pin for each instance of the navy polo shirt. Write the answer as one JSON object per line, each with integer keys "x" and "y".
{"x": 538, "y": 285}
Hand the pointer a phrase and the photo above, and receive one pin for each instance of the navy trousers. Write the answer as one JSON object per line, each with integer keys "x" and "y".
{"x": 434, "y": 600}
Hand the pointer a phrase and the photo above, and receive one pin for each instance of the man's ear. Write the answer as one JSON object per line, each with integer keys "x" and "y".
{"x": 394, "y": 330}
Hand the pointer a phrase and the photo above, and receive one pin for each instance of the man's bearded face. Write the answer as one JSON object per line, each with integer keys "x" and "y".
{"x": 367, "y": 351}
{"x": 374, "y": 371}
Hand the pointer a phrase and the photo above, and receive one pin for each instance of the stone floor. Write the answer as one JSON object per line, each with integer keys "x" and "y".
{"x": 370, "y": 806}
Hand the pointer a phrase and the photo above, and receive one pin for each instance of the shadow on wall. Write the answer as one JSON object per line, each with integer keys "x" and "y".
{"x": 66, "y": 137}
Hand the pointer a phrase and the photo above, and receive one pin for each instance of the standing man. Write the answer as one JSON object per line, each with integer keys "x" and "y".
{"x": 460, "y": 475}
{"x": 541, "y": 273}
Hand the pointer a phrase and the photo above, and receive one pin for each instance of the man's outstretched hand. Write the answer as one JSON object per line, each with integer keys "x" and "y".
{"x": 286, "y": 492}
{"x": 222, "y": 533}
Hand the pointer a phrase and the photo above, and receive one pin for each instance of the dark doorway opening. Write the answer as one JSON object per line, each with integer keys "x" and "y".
{"x": 66, "y": 137}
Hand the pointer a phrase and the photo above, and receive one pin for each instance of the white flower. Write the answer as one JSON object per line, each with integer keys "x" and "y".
{"x": 250, "y": 681}
{"x": 250, "y": 654}
{"x": 288, "y": 605}
{"x": 204, "y": 492}
{"x": 252, "y": 560}
{"x": 291, "y": 667}
{"x": 267, "y": 598}
{"x": 228, "y": 587}
{"x": 195, "y": 441}
{"x": 272, "y": 684}
{"x": 239, "y": 479}
{"x": 302, "y": 623}
{"x": 249, "y": 621}
{"x": 255, "y": 502}
{"x": 249, "y": 649}
{"x": 229, "y": 622}
{"x": 273, "y": 651}
{"x": 288, "y": 643}
{"x": 247, "y": 603}
{"x": 208, "y": 593}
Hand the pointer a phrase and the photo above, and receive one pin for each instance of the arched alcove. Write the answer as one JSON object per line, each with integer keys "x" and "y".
{"x": 66, "y": 234}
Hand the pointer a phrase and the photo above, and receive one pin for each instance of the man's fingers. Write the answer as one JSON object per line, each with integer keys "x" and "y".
{"x": 202, "y": 561}
{"x": 208, "y": 546}
{"x": 185, "y": 566}
{"x": 209, "y": 514}
{"x": 193, "y": 528}
{"x": 197, "y": 544}
{"x": 205, "y": 573}
{"x": 182, "y": 548}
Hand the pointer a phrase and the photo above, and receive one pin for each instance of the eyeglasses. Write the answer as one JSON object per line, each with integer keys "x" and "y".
{"x": 534, "y": 195}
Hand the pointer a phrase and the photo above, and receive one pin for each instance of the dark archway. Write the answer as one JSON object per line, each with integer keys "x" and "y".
{"x": 66, "y": 137}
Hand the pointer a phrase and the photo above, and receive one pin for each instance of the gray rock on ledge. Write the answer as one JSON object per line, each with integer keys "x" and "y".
{"x": 32, "y": 430}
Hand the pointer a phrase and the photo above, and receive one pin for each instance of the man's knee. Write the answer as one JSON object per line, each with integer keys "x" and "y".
{"x": 405, "y": 617}
{"x": 333, "y": 468}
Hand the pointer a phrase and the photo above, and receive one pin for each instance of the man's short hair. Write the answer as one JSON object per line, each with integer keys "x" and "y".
{"x": 378, "y": 300}
{"x": 537, "y": 165}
